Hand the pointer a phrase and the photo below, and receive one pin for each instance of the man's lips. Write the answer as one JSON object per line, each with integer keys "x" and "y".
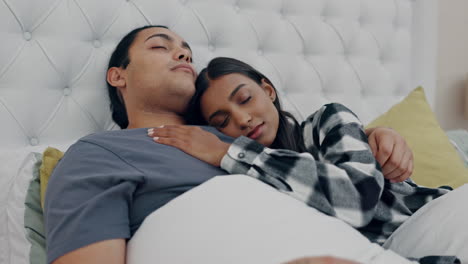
{"x": 256, "y": 132}
{"x": 185, "y": 67}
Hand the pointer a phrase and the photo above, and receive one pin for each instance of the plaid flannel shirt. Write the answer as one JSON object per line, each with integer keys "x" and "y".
{"x": 338, "y": 175}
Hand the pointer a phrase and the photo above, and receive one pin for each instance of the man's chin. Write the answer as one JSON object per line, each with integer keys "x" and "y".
{"x": 185, "y": 88}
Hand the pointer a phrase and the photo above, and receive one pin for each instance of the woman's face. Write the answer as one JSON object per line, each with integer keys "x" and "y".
{"x": 238, "y": 106}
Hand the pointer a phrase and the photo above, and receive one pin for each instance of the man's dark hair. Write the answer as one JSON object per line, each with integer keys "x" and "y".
{"x": 120, "y": 58}
{"x": 289, "y": 134}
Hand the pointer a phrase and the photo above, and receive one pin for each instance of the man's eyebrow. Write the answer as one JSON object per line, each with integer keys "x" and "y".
{"x": 160, "y": 35}
{"x": 186, "y": 45}
{"x": 168, "y": 38}
{"x": 233, "y": 93}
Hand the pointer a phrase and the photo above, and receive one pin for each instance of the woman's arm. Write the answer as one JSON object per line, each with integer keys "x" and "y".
{"x": 341, "y": 177}
{"x": 338, "y": 176}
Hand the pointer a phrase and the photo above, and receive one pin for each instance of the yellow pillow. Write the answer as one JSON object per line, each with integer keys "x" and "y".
{"x": 50, "y": 158}
{"x": 436, "y": 161}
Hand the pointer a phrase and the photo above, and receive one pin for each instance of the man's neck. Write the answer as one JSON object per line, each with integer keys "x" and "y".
{"x": 146, "y": 119}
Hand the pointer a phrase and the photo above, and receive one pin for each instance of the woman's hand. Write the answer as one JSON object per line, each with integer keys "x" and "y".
{"x": 321, "y": 260}
{"x": 192, "y": 140}
{"x": 392, "y": 152}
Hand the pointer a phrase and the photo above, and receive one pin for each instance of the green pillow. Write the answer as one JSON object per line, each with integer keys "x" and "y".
{"x": 50, "y": 158}
{"x": 34, "y": 203}
{"x": 436, "y": 162}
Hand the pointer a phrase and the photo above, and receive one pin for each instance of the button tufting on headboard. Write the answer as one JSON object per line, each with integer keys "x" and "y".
{"x": 54, "y": 55}
{"x": 27, "y": 36}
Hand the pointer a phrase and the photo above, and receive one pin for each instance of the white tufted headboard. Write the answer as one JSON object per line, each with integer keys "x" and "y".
{"x": 54, "y": 53}
{"x": 367, "y": 54}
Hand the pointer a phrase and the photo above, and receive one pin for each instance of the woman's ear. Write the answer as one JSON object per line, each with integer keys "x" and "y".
{"x": 269, "y": 89}
{"x": 116, "y": 78}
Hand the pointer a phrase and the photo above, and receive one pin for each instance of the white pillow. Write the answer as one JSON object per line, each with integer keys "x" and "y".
{"x": 438, "y": 228}
{"x": 459, "y": 139}
{"x": 16, "y": 171}
{"x": 237, "y": 219}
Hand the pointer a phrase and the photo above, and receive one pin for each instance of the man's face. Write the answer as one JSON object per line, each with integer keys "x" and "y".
{"x": 160, "y": 75}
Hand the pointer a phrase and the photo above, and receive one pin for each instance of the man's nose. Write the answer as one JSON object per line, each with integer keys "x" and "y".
{"x": 184, "y": 55}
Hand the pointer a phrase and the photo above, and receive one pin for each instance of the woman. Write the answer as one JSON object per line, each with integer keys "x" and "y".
{"x": 325, "y": 162}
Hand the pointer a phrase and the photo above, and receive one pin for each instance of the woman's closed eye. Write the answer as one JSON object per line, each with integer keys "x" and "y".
{"x": 159, "y": 47}
{"x": 225, "y": 123}
{"x": 246, "y": 100}
{"x": 222, "y": 124}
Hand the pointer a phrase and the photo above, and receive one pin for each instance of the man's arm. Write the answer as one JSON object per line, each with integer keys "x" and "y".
{"x": 87, "y": 205}
{"x": 108, "y": 251}
{"x": 321, "y": 260}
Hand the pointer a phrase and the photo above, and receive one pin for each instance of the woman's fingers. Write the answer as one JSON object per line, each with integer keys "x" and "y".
{"x": 401, "y": 168}
{"x": 170, "y": 131}
{"x": 175, "y": 142}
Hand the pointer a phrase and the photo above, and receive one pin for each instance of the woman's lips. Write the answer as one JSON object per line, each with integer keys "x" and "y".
{"x": 256, "y": 132}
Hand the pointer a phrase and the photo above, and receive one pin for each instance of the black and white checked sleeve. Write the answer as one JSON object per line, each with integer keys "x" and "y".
{"x": 338, "y": 176}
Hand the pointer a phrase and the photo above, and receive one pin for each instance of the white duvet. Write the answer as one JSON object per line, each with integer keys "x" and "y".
{"x": 236, "y": 219}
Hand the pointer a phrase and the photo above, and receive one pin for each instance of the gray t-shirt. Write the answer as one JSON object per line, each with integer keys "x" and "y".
{"x": 107, "y": 183}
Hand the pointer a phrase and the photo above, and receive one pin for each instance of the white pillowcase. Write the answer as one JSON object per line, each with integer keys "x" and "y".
{"x": 16, "y": 171}
{"x": 438, "y": 228}
{"x": 237, "y": 219}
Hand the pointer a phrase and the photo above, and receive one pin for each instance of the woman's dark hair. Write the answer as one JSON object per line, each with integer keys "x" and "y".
{"x": 289, "y": 134}
{"x": 120, "y": 58}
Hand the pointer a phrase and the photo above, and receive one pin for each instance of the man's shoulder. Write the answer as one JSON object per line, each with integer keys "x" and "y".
{"x": 107, "y": 141}
{"x": 127, "y": 140}
{"x": 112, "y": 137}
{"x": 106, "y": 146}
{"x": 113, "y": 133}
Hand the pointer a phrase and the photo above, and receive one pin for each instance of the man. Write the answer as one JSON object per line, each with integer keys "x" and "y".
{"x": 107, "y": 183}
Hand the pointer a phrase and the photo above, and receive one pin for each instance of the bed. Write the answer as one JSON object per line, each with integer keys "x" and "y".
{"x": 366, "y": 54}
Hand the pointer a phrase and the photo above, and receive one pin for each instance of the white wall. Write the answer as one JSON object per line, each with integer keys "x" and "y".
{"x": 452, "y": 63}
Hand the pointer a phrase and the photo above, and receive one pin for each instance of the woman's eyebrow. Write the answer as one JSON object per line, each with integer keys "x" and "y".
{"x": 215, "y": 114}
{"x": 233, "y": 93}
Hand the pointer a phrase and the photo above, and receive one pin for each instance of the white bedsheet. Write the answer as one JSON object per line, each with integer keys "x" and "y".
{"x": 236, "y": 219}
{"x": 438, "y": 228}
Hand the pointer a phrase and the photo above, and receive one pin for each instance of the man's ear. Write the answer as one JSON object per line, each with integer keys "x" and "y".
{"x": 116, "y": 77}
{"x": 269, "y": 89}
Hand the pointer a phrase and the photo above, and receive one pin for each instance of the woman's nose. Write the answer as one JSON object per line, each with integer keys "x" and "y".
{"x": 243, "y": 120}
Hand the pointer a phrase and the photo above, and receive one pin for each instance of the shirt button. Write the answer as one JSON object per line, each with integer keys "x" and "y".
{"x": 241, "y": 155}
